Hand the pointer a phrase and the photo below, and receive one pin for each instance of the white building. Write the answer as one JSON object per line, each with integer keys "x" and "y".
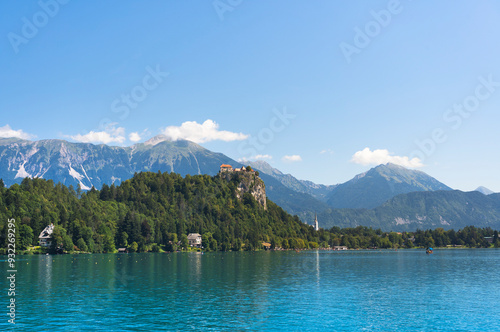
{"x": 45, "y": 238}
{"x": 194, "y": 240}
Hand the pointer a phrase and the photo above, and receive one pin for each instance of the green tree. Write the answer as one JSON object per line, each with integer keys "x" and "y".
{"x": 133, "y": 247}
{"x": 25, "y": 236}
{"x": 409, "y": 243}
{"x": 313, "y": 245}
{"x": 213, "y": 244}
{"x": 82, "y": 245}
{"x": 142, "y": 247}
{"x": 184, "y": 241}
{"x": 58, "y": 235}
{"x": 67, "y": 243}
{"x": 237, "y": 244}
{"x": 123, "y": 240}
{"x": 109, "y": 243}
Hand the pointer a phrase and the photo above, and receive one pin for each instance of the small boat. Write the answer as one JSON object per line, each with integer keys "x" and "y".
{"x": 428, "y": 251}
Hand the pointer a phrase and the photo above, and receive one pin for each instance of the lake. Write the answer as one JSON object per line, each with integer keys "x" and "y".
{"x": 405, "y": 290}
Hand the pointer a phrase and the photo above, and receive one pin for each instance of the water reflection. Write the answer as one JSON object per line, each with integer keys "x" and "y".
{"x": 45, "y": 273}
{"x": 317, "y": 268}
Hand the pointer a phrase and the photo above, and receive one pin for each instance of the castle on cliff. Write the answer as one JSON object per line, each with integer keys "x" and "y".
{"x": 229, "y": 168}
{"x": 249, "y": 182}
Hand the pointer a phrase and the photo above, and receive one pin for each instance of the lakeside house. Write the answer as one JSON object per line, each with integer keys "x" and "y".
{"x": 194, "y": 240}
{"x": 45, "y": 238}
{"x": 339, "y": 248}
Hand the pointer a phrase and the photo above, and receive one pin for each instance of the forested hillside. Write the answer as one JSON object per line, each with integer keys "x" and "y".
{"x": 150, "y": 210}
{"x": 156, "y": 211}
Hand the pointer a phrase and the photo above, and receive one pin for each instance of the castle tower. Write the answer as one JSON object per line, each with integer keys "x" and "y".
{"x": 316, "y": 226}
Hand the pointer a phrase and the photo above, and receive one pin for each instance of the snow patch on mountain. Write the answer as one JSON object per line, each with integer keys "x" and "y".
{"x": 86, "y": 177}
{"x": 21, "y": 173}
{"x": 75, "y": 174}
{"x": 84, "y": 187}
{"x": 79, "y": 177}
{"x": 42, "y": 171}
{"x": 197, "y": 164}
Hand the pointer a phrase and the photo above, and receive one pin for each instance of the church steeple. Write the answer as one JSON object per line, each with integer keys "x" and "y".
{"x": 316, "y": 226}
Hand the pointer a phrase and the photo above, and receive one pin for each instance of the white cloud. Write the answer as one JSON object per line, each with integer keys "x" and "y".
{"x": 263, "y": 157}
{"x": 7, "y": 131}
{"x": 256, "y": 157}
{"x": 329, "y": 151}
{"x": 383, "y": 156}
{"x": 201, "y": 133}
{"x": 134, "y": 137}
{"x": 109, "y": 135}
{"x": 292, "y": 158}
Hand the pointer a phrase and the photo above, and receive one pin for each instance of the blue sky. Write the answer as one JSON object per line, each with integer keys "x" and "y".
{"x": 321, "y": 90}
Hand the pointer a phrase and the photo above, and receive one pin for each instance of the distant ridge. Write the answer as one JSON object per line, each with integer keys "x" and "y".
{"x": 318, "y": 191}
{"x": 448, "y": 209}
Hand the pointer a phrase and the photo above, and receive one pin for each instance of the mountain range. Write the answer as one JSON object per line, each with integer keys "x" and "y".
{"x": 387, "y": 196}
{"x": 90, "y": 165}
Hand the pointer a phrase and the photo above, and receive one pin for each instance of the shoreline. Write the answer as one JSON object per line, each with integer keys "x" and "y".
{"x": 30, "y": 253}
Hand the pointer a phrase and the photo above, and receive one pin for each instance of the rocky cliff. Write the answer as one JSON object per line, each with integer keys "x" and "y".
{"x": 247, "y": 182}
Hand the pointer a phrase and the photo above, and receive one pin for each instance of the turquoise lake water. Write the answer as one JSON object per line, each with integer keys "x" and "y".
{"x": 406, "y": 290}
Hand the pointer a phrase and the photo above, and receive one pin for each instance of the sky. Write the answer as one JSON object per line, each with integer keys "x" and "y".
{"x": 322, "y": 90}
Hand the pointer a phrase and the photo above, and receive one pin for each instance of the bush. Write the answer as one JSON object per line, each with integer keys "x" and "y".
{"x": 133, "y": 247}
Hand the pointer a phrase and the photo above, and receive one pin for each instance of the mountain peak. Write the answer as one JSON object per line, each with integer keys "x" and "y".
{"x": 180, "y": 143}
{"x": 391, "y": 170}
{"x": 393, "y": 166}
{"x": 484, "y": 190}
{"x": 157, "y": 139}
{"x": 372, "y": 188}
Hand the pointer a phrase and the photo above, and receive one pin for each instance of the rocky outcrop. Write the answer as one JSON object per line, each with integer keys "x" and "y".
{"x": 248, "y": 182}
